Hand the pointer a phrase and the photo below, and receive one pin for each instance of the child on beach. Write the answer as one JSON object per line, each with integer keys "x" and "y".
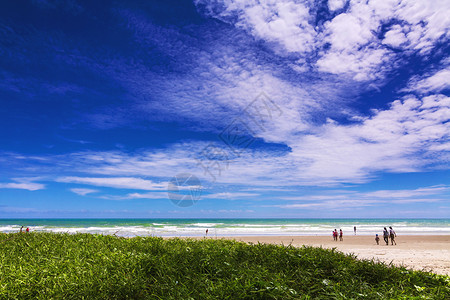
{"x": 377, "y": 239}
{"x": 340, "y": 235}
{"x": 392, "y": 235}
{"x": 335, "y": 235}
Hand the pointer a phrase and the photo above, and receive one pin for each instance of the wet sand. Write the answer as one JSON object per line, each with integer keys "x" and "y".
{"x": 429, "y": 252}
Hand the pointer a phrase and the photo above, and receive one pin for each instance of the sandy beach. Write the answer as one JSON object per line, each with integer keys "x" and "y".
{"x": 429, "y": 252}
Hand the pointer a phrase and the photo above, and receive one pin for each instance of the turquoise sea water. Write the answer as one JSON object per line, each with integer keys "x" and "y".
{"x": 228, "y": 227}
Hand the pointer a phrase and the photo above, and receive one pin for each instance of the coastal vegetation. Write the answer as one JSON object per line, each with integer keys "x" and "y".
{"x": 74, "y": 266}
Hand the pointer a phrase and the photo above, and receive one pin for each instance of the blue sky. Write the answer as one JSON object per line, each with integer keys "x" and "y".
{"x": 282, "y": 109}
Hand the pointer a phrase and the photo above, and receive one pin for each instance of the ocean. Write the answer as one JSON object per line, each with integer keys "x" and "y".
{"x": 228, "y": 227}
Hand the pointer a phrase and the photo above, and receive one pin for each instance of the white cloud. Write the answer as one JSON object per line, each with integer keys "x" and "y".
{"x": 23, "y": 184}
{"x": 392, "y": 194}
{"x": 355, "y": 47}
{"x": 228, "y": 195}
{"x": 116, "y": 182}
{"x": 336, "y": 4}
{"x": 379, "y": 195}
{"x": 347, "y": 199}
{"x": 225, "y": 78}
{"x": 336, "y": 204}
{"x": 412, "y": 135}
{"x": 153, "y": 195}
{"x": 395, "y": 37}
{"x": 287, "y": 23}
{"x": 82, "y": 191}
{"x": 436, "y": 82}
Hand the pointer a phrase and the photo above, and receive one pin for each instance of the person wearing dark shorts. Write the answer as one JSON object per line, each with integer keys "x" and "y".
{"x": 386, "y": 236}
{"x": 392, "y": 235}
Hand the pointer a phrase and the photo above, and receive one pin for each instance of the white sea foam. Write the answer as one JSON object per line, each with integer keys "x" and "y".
{"x": 243, "y": 229}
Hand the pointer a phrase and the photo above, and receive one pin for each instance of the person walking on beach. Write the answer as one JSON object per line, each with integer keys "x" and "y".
{"x": 206, "y": 232}
{"x": 335, "y": 235}
{"x": 340, "y": 235}
{"x": 386, "y": 236}
{"x": 28, "y": 230}
{"x": 354, "y": 229}
{"x": 392, "y": 235}
{"x": 377, "y": 239}
{"x": 21, "y": 229}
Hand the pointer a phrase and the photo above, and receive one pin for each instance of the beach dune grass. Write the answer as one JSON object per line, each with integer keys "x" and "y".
{"x": 74, "y": 266}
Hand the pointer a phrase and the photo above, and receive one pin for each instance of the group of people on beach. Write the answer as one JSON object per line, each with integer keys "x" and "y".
{"x": 27, "y": 230}
{"x": 336, "y": 234}
{"x": 386, "y": 236}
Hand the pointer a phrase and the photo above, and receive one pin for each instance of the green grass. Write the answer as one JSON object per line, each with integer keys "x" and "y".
{"x": 85, "y": 266}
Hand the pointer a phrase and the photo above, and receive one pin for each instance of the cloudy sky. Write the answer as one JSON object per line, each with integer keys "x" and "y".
{"x": 281, "y": 109}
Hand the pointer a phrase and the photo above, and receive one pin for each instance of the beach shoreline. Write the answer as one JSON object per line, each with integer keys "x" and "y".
{"x": 417, "y": 252}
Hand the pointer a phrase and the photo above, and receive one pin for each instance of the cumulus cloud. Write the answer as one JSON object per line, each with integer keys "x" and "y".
{"x": 395, "y": 37}
{"x": 354, "y": 42}
{"x": 287, "y": 23}
{"x": 336, "y": 4}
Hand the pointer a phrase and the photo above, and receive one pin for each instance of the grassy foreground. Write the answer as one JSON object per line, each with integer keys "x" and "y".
{"x": 45, "y": 265}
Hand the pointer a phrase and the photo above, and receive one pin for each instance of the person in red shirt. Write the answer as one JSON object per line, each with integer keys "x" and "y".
{"x": 28, "y": 229}
{"x": 335, "y": 235}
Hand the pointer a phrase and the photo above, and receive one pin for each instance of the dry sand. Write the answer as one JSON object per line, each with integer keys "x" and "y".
{"x": 429, "y": 253}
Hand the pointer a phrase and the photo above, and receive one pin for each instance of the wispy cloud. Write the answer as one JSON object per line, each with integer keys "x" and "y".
{"x": 115, "y": 182}
{"x": 353, "y": 199}
{"x": 83, "y": 191}
{"x": 436, "y": 82}
{"x": 23, "y": 184}
{"x": 230, "y": 195}
{"x": 130, "y": 196}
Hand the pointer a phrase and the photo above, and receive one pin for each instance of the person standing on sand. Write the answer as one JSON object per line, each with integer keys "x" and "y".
{"x": 340, "y": 235}
{"x": 377, "y": 239}
{"x": 335, "y": 234}
{"x": 386, "y": 236}
{"x": 206, "y": 232}
{"x": 354, "y": 229}
{"x": 392, "y": 235}
{"x": 21, "y": 228}
{"x": 28, "y": 230}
